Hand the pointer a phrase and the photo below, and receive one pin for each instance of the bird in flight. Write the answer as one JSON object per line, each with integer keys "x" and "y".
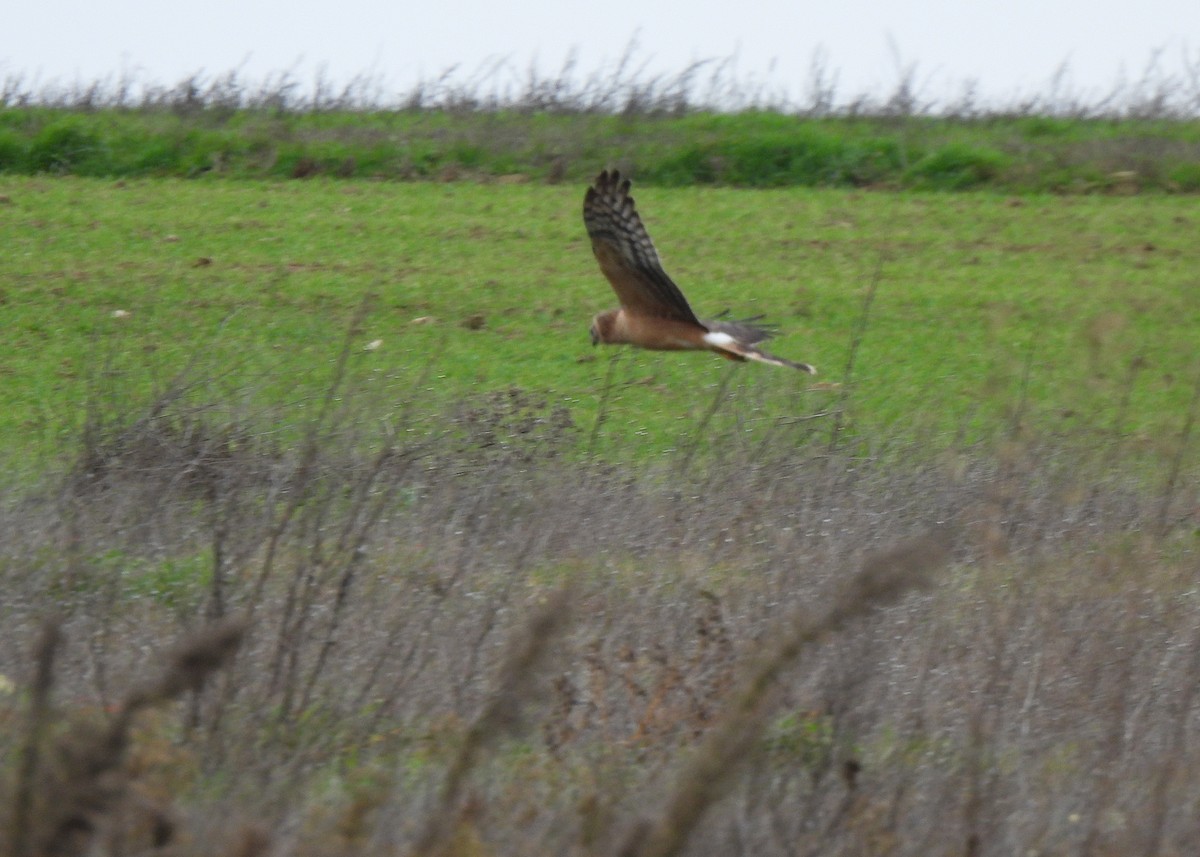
{"x": 654, "y": 313}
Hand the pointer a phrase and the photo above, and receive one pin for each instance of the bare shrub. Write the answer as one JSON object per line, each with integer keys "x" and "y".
{"x": 623, "y": 85}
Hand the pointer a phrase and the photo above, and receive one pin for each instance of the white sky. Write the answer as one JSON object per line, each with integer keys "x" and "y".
{"x": 1009, "y": 47}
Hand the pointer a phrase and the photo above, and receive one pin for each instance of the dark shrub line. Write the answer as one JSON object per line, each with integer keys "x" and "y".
{"x": 746, "y": 150}
{"x": 704, "y": 125}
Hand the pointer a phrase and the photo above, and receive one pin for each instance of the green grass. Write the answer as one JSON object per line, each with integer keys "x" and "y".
{"x": 971, "y": 287}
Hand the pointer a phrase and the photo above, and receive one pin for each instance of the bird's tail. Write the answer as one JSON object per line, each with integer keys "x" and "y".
{"x": 752, "y": 353}
{"x": 731, "y": 349}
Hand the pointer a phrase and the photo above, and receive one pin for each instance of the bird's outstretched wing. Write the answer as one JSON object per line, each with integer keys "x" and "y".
{"x": 627, "y": 255}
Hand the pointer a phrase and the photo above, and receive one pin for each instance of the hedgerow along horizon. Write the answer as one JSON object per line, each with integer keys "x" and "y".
{"x": 703, "y": 125}
{"x": 1009, "y": 155}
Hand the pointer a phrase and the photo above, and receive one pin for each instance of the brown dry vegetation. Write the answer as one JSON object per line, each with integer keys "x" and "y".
{"x": 475, "y": 643}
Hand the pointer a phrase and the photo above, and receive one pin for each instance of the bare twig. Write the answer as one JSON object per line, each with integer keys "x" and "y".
{"x": 698, "y": 432}
{"x": 602, "y": 408}
{"x": 856, "y": 339}
{"x": 1185, "y": 435}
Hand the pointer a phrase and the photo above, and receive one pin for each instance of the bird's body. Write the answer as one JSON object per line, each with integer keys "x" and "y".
{"x": 653, "y": 313}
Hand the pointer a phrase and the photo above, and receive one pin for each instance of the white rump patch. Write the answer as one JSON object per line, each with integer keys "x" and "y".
{"x": 715, "y": 337}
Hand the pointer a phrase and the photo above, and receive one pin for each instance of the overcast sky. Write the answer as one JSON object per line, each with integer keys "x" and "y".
{"x": 1009, "y": 47}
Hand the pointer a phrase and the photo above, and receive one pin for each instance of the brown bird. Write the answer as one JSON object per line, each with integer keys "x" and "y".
{"x": 654, "y": 313}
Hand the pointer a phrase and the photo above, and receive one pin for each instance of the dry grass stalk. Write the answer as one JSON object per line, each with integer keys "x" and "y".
{"x": 882, "y": 580}
{"x": 39, "y": 713}
{"x": 66, "y": 805}
{"x": 1185, "y": 435}
{"x": 501, "y": 713}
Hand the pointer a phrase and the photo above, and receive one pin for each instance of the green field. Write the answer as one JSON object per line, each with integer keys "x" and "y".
{"x": 355, "y": 427}
{"x": 1078, "y": 312}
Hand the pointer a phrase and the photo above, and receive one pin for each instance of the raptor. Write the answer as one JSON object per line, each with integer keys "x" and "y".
{"x": 653, "y": 313}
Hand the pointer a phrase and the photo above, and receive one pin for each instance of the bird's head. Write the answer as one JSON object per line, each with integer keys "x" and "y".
{"x": 601, "y": 330}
